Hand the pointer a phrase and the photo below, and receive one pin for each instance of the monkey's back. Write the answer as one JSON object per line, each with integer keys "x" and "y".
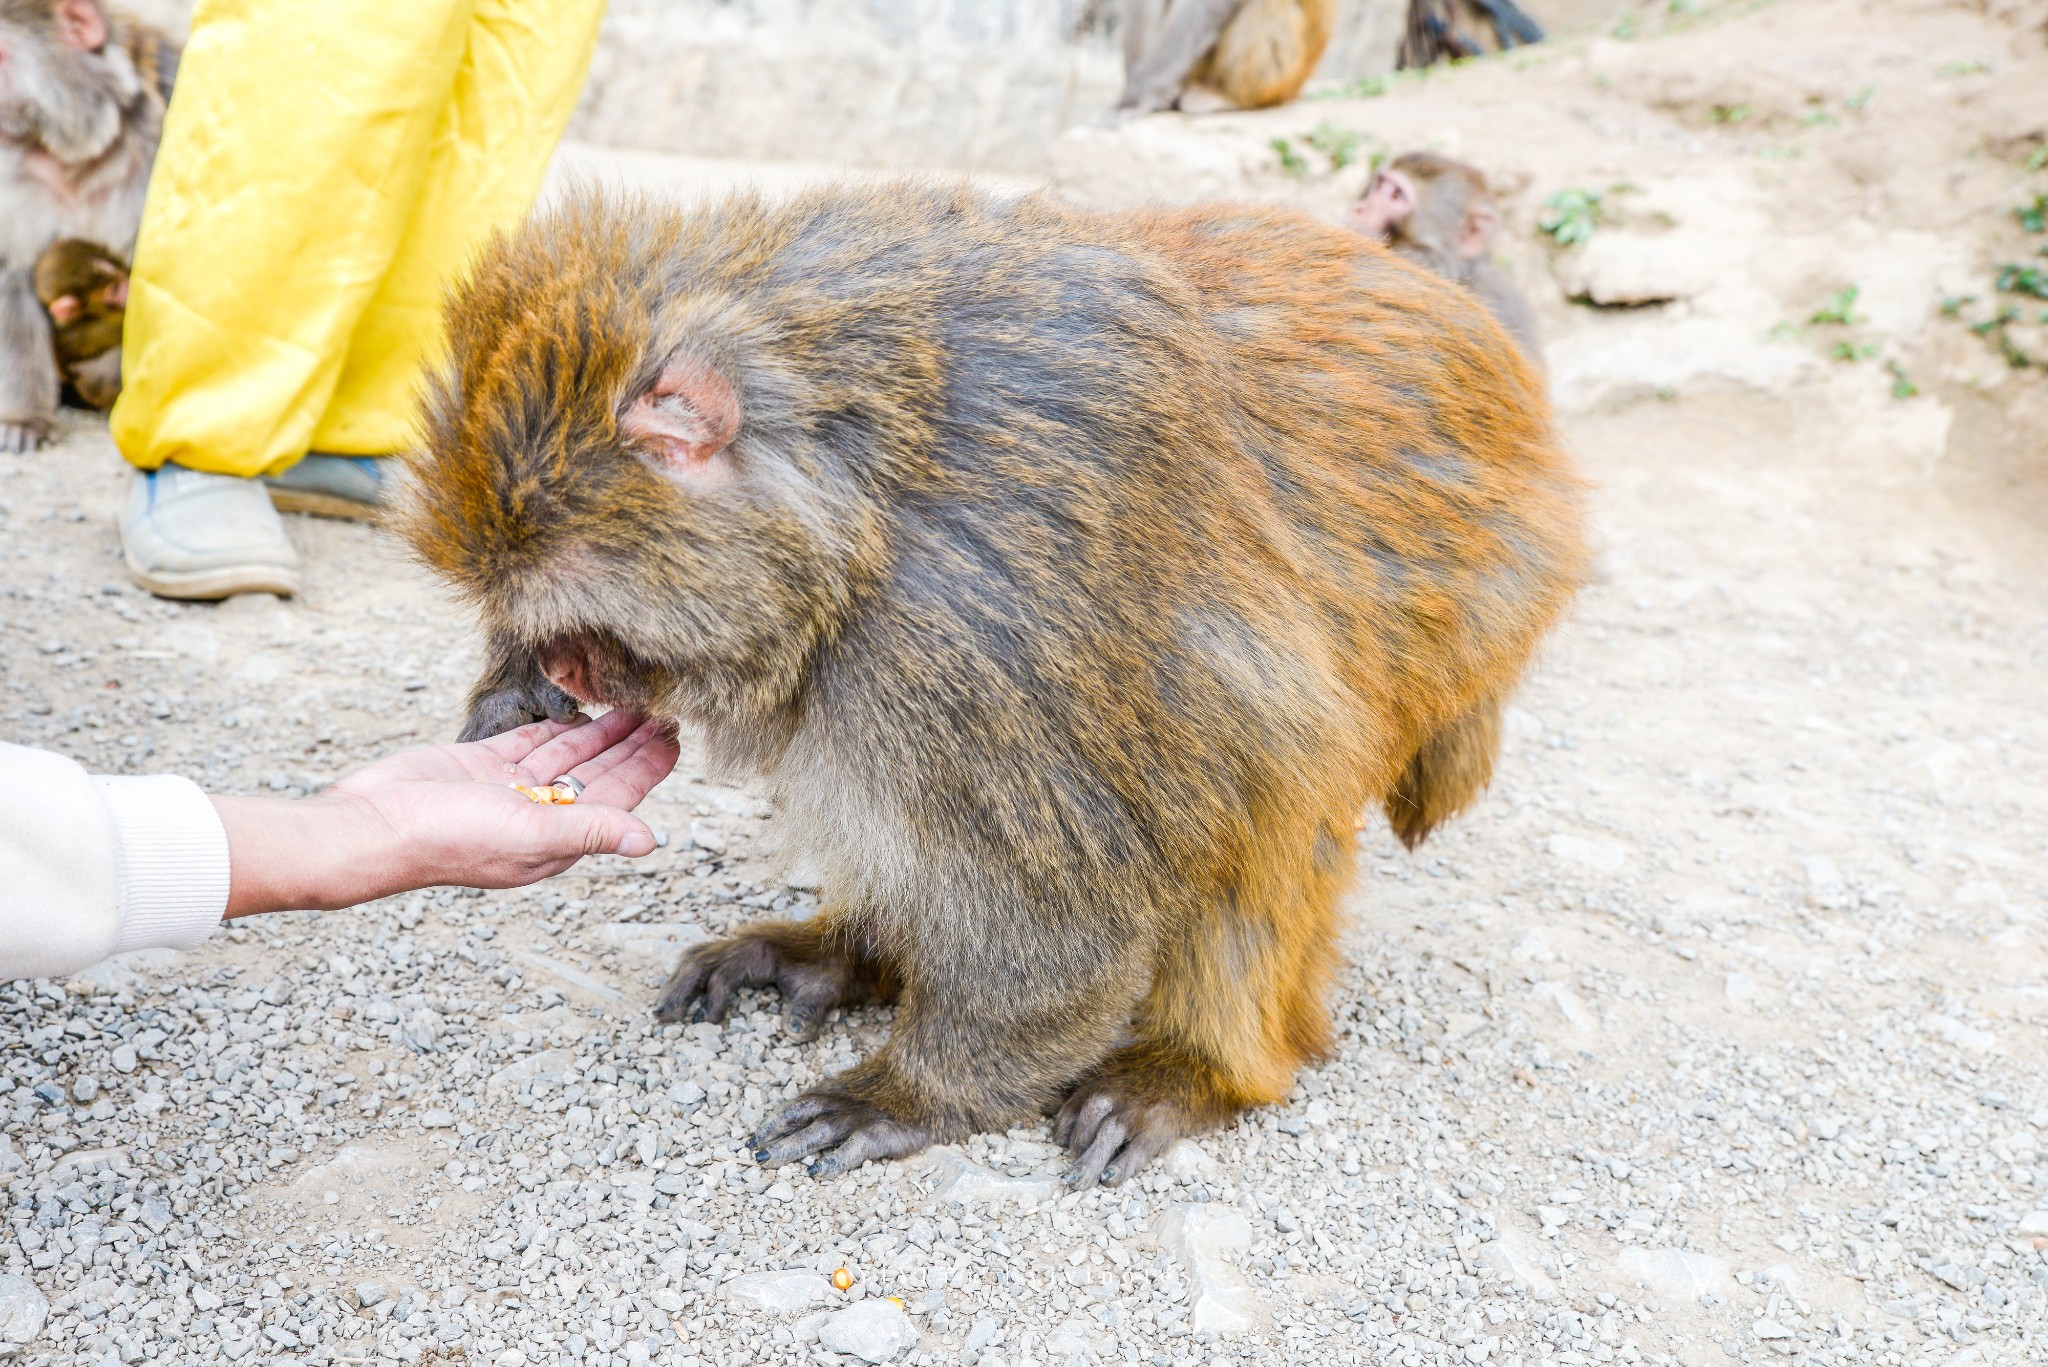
{"x": 1221, "y": 514}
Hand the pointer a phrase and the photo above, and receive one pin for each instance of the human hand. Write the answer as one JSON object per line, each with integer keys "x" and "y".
{"x": 447, "y": 814}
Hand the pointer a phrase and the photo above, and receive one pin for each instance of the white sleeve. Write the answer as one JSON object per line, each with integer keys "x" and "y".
{"x": 97, "y": 866}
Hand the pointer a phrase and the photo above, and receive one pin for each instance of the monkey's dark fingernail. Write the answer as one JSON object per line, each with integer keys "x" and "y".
{"x": 760, "y": 1155}
{"x": 1108, "y": 1175}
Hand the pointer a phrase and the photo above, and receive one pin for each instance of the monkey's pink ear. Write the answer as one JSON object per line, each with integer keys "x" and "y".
{"x": 81, "y": 24}
{"x": 64, "y": 308}
{"x": 687, "y": 416}
{"x": 1477, "y": 235}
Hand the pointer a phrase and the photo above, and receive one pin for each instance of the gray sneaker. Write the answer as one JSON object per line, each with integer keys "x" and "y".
{"x": 332, "y": 486}
{"x": 189, "y": 534}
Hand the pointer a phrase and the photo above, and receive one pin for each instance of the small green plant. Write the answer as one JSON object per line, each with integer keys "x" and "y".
{"x": 1334, "y": 148}
{"x": 2033, "y": 217}
{"x": 1570, "y": 216}
{"x": 1730, "y": 113}
{"x": 1962, "y": 66}
{"x": 1818, "y": 117}
{"x": 1902, "y": 384}
{"x": 1840, "y": 308}
{"x": 1362, "y": 88}
{"x": 1952, "y": 307}
{"x": 1997, "y": 323}
{"x": 1856, "y": 102}
{"x": 1626, "y": 29}
{"x": 1852, "y": 351}
{"x": 2038, "y": 158}
{"x": 2017, "y": 279}
{"x": 1340, "y": 145}
{"x": 1291, "y": 161}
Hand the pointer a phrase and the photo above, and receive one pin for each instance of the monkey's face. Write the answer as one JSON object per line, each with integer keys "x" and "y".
{"x": 63, "y": 87}
{"x": 617, "y": 470}
{"x": 1385, "y": 207}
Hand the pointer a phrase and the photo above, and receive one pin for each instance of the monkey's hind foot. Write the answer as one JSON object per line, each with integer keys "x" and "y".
{"x": 801, "y": 959}
{"x": 1131, "y": 1111}
{"x": 843, "y": 1130}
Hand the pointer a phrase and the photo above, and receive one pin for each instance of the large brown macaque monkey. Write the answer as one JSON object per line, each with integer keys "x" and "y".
{"x": 1439, "y": 213}
{"x": 1070, "y": 580}
{"x": 1204, "y": 56}
{"x": 82, "y": 94}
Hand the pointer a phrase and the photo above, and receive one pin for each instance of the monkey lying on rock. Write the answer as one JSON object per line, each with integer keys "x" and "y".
{"x": 1071, "y": 581}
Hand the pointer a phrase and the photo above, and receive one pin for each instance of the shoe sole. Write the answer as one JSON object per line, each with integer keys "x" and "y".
{"x": 209, "y": 585}
{"x": 322, "y": 505}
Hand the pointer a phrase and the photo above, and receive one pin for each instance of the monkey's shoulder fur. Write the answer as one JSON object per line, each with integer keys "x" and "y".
{"x": 1073, "y": 579}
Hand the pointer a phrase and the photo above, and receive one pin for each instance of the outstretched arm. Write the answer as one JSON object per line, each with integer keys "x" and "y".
{"x": 448, "y": 815}
{"x": 96, "y": 865}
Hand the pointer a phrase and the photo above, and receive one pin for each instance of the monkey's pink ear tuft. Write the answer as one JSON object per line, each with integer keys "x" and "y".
{"x": 64, "y": 308}
{"x": 81, "y": 24}
{"x": 688, "y": 416}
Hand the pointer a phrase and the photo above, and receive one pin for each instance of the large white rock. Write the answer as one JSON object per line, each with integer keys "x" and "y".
{"x": 1678, "y": 1273}
{"x": 637, "y": 937}
{"x": 2034, "y": 1224}
{"x": 1568, "y": 1003}
{"x": 777, "y": 1293}
{"x": 551, "y": 1065}
{"x": 1512, "y": 1258}
{"x": 873, "y": 1330}
{"x": 1639, "y": 268}
{"x": 961, "y": 1181}
{"x": 1202, "y": 1238}
{"x": 23, "y": 1310}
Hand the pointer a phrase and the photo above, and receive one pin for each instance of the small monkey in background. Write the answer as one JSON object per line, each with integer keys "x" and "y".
{"x": 1204, "y": 56}
{"x": 84, "y": 288}
{"x": 82, "y": 94}
{"x": 1438, "y": 212}
{"x": 1071, "y": 581}
{"x": 1437, "y": 31}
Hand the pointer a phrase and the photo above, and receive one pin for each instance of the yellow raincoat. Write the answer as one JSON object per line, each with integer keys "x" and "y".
{"x": 328, "y": 168}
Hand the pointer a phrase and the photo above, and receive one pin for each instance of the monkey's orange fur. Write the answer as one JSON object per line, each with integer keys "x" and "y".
{"x": 1267, "y": 51}
{"x": 1072, "y": 580}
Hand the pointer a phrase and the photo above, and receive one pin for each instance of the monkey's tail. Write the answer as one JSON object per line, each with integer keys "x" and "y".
{"x": 1451, "y": 769}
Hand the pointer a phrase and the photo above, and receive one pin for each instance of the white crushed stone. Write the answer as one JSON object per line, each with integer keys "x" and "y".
{"x": 873, "y": 1330}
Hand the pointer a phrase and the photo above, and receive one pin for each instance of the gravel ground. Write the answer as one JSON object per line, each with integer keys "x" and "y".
{"x": 1714, "y": 1034}
{"x": 1716, "y": 1030}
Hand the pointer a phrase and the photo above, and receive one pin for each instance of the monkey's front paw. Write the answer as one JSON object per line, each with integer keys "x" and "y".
{"x": 790, "y": 956}
{"x": 19, "y": 437}
{"x": 842, "y": 1130}
{"x": 508, "y": 709}
{"x": 1112, "y": 1130}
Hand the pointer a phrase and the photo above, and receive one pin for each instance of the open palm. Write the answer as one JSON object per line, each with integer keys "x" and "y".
{"x": 453, "y": 810}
